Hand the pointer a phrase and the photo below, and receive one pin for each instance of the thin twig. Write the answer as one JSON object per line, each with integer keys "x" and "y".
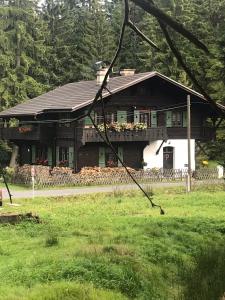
{"x": 187, "y": 69}
{"x": 142, "y": 35}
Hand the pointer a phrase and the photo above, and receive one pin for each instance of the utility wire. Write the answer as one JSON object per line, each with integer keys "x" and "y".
{"x": 64, "y": 121}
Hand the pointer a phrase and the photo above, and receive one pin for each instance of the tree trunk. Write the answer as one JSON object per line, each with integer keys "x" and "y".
{"x": 14, "y": 155}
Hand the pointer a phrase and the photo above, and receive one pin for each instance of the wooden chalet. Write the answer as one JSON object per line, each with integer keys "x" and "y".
{"x": 140, "y": 110}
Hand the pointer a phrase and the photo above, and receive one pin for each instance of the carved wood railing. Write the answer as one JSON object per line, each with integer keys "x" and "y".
{"x": 198, "y": 133}
{"x": 33, "y": 133}
{"x": 90, "y": 135}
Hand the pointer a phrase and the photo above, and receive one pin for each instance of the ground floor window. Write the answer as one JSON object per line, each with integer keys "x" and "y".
{"x": 64, "y": 156}
{"x": 107, "y": 157}
{"x": 110, "y": 158}
{"x": 42, "y": 155}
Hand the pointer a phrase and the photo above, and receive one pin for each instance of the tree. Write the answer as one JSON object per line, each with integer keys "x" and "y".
{"x": 22, "y": 52}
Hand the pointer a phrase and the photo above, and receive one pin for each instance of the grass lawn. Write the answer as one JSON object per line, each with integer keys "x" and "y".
{"x": 114, "y": 246}
{"x": 14, "y": 187}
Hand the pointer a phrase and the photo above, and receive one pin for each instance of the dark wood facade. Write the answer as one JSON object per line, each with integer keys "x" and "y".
{"x": 159, "y": 105}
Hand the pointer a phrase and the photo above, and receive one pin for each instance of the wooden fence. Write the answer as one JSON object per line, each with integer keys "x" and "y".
{"x": 209, "y": 176}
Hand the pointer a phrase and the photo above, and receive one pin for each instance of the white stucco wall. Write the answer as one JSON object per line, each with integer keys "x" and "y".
{"x": 180, "y": 154}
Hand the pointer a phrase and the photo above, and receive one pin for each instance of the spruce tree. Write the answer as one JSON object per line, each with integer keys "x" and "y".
{"x": 22, "y": 51}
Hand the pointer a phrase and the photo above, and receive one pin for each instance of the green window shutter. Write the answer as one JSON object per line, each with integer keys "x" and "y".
{"x": 121, "y": 116}
{"x": 120, "y": 154}
{"x": 184, "y": 119}
{"x": 169, "y": 119}
{"x": 136, "y": 116}
{"x": 33, "y": 153}
{"x": 71, "y": 157}
{"x": 87, "y": 120}
{"x": 57, "y": 155}
{"x": 101, "y": 161}
{"x": 50, "y": 156}
{"x": 153, "y": 118}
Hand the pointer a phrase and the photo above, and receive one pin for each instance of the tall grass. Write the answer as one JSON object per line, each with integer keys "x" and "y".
{"x": 114, "y": 246}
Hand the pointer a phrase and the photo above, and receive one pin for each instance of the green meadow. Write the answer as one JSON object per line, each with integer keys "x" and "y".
{"x": 115, "y": 246}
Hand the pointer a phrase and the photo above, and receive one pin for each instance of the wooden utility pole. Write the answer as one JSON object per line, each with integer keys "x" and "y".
{"x": 189, "y": 142}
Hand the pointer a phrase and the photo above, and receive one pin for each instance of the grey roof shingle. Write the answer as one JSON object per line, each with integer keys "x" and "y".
{"x": 73, "y": 96}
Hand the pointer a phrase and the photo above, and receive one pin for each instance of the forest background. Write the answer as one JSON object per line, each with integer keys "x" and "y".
{"x": 50, "y": 43}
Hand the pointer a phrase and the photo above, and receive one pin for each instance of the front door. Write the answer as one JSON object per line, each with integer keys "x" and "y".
{"x": 168, "y": 158}
{"x": 25, "y": 154}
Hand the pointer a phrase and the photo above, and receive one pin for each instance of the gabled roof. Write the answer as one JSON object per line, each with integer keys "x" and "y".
{"x": 74, "y": 96}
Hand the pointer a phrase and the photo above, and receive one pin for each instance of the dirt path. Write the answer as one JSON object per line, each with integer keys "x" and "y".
{"x": 80, "y": 190}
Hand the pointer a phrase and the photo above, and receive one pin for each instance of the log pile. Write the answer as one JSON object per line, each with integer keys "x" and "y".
{"x": 45, "y": 176}
{"x": 24, "y": 172}
{"x": 61, "y": 170}
{"x": 108, "y": 170}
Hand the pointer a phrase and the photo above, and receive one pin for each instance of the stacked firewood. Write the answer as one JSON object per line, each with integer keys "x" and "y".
{"x": 23, "y": 173}
{"x": 108, "y": 170}
{"x": 61, "y": 170}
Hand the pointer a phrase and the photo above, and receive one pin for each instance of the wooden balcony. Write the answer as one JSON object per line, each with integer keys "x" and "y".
{"x": 33, "y": 133}
{"x": 90, "y": 135}
{"x": 197, "y": 133}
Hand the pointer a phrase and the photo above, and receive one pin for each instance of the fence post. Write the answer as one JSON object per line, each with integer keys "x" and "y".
{"x": 188, "y": 183}
{"x": 33, "y": 180}
{"x": 1, "y": 197}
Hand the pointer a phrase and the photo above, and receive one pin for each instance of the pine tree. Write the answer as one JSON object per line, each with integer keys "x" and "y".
{"x": 21, "y": 46}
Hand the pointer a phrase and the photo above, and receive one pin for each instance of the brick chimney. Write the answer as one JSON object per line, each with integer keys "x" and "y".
{"x": 127, "y": 72}
{"x": 101, "y": 75}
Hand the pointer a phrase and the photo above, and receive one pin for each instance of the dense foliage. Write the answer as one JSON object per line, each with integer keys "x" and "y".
{"x": 50, "y": 43}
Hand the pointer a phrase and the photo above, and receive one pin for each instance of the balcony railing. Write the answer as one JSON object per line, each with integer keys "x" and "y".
{"x": 198, "y": 133}
{"x": 90, "y": 135}
{"x": 30, "y": 133}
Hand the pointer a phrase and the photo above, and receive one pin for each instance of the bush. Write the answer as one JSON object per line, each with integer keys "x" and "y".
{"x": 205, "y": 279}
{"x": 9, "y": 174}
{"x": 51, "y": 240}
{"x": 5, "y": 152}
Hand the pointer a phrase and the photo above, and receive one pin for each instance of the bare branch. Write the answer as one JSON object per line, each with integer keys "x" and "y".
{"x": 187, "y": 69}
{"x": 142, "y": 35}
{"x": 105, "y": 138}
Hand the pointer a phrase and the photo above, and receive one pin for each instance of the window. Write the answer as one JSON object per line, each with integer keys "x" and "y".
{"x": 110, "y": 117}
{"x": 145, "y": 117}
{"x": 110, "y": 158}
{"x": 42, "y": 155}
{"x": 63, "y": 154}
{"x": 107, "y": 157}
{"x": 176, "y": 119}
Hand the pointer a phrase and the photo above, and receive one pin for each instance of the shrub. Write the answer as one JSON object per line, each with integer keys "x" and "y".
{"x": 5, "y": 152}
{"x": 51, "y": 240}
{"x": 9, "y": 174}
{"x": 205, "y": 280}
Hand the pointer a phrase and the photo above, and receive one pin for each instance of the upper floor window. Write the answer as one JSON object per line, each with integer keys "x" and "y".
{"x": 110, "y": 117}
{"x": 176, "y": 119}
{"x": 145, "y": 117}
